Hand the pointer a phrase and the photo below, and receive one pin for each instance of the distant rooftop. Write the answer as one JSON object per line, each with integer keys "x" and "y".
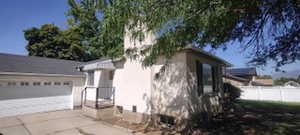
{"x": 10, "y": 63}
{"x": 242, "y": 71}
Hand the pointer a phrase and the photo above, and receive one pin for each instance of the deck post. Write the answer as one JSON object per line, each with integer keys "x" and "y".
{"x": 114, "y": 92}
{"x": 85, "y": 93}
{"x": 97, "y": 94}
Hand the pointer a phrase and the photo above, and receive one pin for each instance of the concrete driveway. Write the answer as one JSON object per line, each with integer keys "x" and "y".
{"x": 57, "y": 123}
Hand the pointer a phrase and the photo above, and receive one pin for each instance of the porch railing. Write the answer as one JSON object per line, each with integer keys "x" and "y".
{"x": 98, "y": 97}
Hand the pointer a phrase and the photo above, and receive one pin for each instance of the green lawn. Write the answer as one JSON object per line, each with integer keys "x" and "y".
{"x": 282, "y": 118}
{"x": 271, "y": 106}
{"x": 258, "y": 118}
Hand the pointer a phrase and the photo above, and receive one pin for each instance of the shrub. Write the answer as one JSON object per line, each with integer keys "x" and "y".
{"x": 232, "y": 92}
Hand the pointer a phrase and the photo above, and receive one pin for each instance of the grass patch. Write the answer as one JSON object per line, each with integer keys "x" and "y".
{"x": 258, "y": 118}
{"x": 271, "y": 106}
{"x": 278, "y": 118}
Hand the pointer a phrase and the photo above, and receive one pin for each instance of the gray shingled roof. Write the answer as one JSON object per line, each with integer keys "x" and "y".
{"x": 39, "y": 65}
{"x": 242, "y": 71}
{"x": 227, "y": 75}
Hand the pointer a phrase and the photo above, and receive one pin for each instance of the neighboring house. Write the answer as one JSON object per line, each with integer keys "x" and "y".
{"x": 234, "y": 80}
{"x": 245, "y": 77}
{"x": 246, "y": 73}
{"x": 263, "y": 82}
{"x": 34, "y": 84}
{"x": 240, "y": 76}
{"x": 188, "y": 83}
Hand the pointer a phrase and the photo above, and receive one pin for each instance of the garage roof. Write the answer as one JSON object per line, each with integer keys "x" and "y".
{"x": 10, "y": 63}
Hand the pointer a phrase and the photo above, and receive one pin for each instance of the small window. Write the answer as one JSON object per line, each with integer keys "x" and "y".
{"x": 47, "y": 83}
{"x": 90, "y": 78}
{"x": 24, "y": 83}
{"x": 57, "y": 83}
{"x": 207, "y": 78}
{"x": 11, "y": 84}
{"x": 67, "y": 83}
{"x": 36, "y": 83}
{"x": 134, "y": 108}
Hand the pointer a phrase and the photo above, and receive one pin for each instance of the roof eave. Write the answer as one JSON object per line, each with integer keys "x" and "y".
{"x": 224, "y": 62}
{"x": 105, "y": 64}
{"x": 39, "y": 74}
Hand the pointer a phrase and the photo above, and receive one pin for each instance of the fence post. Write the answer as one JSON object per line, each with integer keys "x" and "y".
{"x": 259, "y": 93}
{"x": 281, "y": 94}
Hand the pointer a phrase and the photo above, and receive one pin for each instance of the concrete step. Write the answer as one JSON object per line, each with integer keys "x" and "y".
{"x": 99, "y": 114}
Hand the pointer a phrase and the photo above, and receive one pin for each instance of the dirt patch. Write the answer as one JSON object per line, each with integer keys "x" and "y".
{"x": 135, "y": 127}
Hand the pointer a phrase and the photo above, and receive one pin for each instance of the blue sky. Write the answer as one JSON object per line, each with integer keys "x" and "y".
{"x": 18, "y": 15}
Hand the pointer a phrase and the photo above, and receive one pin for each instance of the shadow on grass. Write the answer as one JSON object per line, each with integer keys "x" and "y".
{"x": 256, "y": 118}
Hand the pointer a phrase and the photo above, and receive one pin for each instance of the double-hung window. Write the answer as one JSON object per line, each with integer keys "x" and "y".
{"x": 199, "y": 73}
{"x": 206, "y": 78}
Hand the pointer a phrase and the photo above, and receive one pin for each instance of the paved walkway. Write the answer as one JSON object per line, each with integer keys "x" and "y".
{"x": 56, "y": 123}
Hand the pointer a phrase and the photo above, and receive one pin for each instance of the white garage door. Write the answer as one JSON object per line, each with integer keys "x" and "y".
{"x": 24, "y": 97}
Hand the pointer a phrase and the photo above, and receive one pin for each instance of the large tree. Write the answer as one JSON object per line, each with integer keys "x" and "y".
{"x": 104, "y": 38}
{"x": 269, "y": 28}
{"x": 50, "y": 41}
{"x": 84, "y": 39}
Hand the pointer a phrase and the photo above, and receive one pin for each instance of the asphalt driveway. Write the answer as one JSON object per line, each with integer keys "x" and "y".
{"x": 57, "y": 123}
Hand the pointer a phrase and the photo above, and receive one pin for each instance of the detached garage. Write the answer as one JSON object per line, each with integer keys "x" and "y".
{"x": 34, "y": 84}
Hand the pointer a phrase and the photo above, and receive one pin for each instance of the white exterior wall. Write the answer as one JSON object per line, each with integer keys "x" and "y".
{"x": 173, "y": 93}
{"x": 175, "y": 88}
{"x": 133, "y": 87}
{"x": 77, "y": 82}
{"x": 208, "y": 101}
{"x": 169, "y": 94}
{"x": 133, "y": 82}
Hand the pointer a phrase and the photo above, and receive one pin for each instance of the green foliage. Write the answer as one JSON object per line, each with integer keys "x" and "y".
{"x": 283, "y": 80}
{"x": 90, "y": 18}
{"x": 86, "y": 38}
{"x": 269, "y": 28}
{"x": 50, "y": 41}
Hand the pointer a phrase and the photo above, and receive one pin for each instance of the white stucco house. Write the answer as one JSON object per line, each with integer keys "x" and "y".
{"x": 121, "y": 87}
